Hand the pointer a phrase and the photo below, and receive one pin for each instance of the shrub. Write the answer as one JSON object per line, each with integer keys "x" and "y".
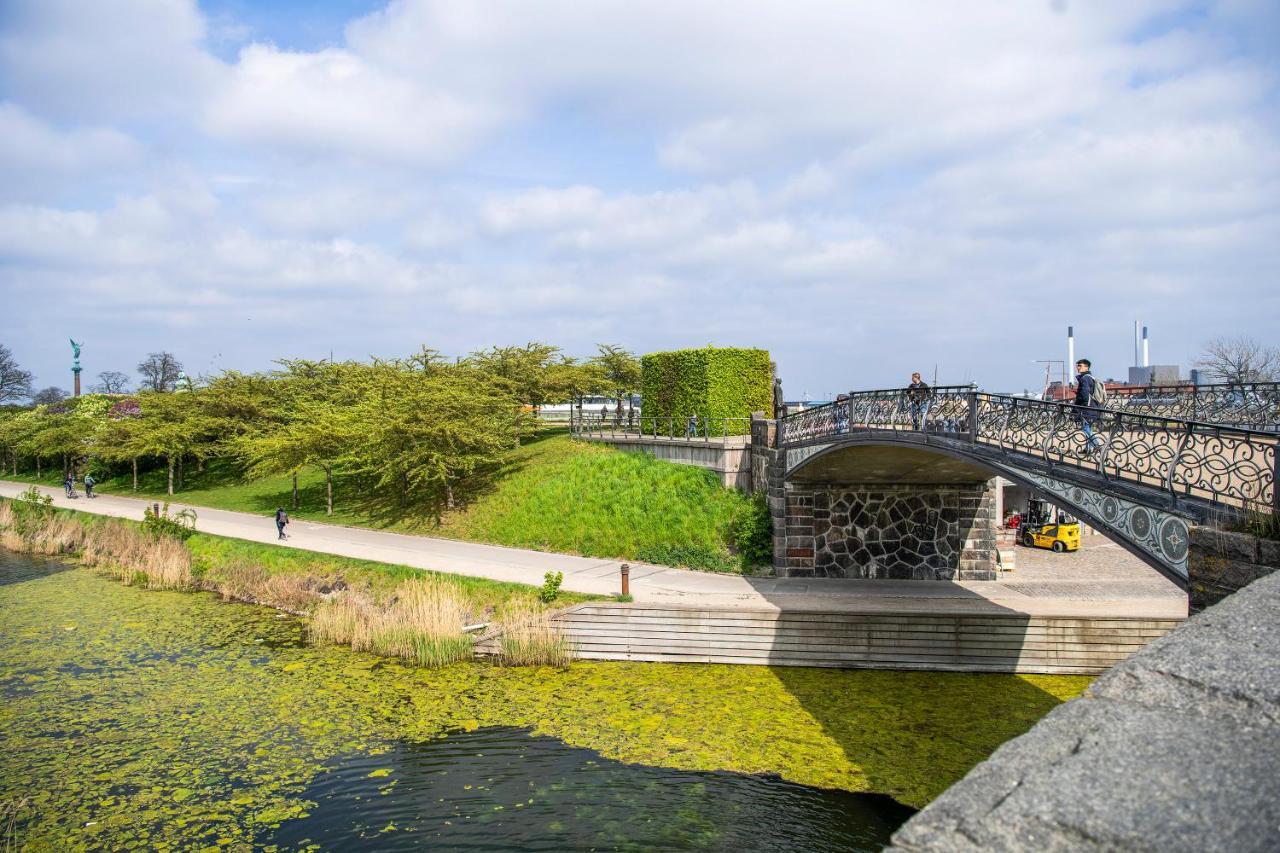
{"x": 181, "y": 525}
{"x": 753, "y": 532}
{"x": 550, "y": 587}
{"x": 711, "y": 382}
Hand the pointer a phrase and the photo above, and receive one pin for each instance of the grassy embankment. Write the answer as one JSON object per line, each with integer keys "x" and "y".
{"x": 393, "y": 610}
{"x": 551, "y": 494}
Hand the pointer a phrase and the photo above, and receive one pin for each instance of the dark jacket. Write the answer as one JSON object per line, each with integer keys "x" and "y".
{"x": 1084, "y": 389}
{"x": 918, "y": 392}
{"x": 282, "y": 517}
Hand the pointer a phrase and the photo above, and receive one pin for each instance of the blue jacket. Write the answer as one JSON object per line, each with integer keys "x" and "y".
{"x": 1084, "y": 389}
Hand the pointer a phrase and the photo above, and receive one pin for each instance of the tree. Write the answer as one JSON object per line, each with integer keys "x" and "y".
{"x": 15, "y": 383}
{"x": 49, "y": 396}
{"x": 111, "y": 382}
{"x": 311, "y": 419}
{"x": 159, "y": 372}
{"x": 1240, "y": 359}
{"x": 621, "y": 371}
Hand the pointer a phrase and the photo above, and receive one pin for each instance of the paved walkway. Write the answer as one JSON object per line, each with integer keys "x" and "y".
{"x": 1092, "y": 596}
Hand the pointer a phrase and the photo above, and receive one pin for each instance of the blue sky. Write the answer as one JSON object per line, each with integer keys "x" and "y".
{"x": 865, "y": 188}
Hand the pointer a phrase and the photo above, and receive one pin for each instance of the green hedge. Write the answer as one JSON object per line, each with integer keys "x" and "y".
{"x": 711, "y": 383}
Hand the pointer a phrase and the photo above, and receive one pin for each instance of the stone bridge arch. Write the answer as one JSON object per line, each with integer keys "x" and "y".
{"x": 861, "y": 495}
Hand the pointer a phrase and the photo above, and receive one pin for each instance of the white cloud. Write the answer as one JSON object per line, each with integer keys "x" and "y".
{"x": 36, "y": 157}
{"x": 333, "y": 101}
{"x": 102, "y": 61}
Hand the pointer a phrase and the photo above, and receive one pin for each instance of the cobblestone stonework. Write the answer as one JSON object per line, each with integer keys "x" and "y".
{"x": 900, "y": 532}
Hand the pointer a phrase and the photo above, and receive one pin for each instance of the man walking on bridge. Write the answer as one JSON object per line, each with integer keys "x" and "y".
{"x": 918, "y": 401}
{"x": 1086, "y": 402}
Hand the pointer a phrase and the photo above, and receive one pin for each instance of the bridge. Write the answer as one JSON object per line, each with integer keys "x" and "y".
{"x": 886, "y": 484}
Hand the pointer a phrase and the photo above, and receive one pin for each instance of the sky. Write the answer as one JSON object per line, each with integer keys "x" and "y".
{"x": 863, "y": 188}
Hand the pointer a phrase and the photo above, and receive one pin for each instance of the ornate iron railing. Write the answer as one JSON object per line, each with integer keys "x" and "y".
{"x": 1221, "y": 464}
{"x": 1252, "y": 405}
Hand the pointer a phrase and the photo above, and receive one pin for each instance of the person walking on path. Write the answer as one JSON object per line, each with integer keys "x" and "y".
{"x": 691, "y": 428}
{"x": 282, "y": 520}
{"x": 1086, "y": 403}
{"x": 918, "y": 401}
{"x": 89, "y": 483}
{"x": 69, "y": 483}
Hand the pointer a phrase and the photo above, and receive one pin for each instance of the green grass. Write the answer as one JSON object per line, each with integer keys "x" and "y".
{"x": 550, "y": 494}
{"x": 589, "y": 499}
{"x": 209, "y": 553}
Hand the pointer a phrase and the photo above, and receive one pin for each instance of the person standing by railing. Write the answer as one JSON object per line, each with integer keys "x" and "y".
{"x": 1086, "y": 404}
{"x": 918, "y": 401}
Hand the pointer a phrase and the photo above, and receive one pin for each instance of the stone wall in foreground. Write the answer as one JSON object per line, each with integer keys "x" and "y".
{"x": 1175, "y": 749}
{"x": 1220, "y": 563}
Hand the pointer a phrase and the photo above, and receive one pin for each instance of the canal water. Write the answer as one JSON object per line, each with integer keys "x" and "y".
{"x": 161, "y": 720}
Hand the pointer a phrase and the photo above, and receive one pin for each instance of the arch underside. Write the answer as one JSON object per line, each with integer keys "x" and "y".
{"x": 1137, "y": 518}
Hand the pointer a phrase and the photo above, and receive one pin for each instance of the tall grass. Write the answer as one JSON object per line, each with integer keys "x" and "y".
{"x": 422, "y": 623}
{"x": 530, "y": 637}
{"x": 113, "y": 547}
{"x": 394, "y": 611}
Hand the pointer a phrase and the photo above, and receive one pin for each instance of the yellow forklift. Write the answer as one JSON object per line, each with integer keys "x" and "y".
{"x": 1045, "y": 526}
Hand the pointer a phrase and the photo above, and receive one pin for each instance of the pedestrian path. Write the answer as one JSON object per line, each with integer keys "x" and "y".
{"x": 663, "y": 585}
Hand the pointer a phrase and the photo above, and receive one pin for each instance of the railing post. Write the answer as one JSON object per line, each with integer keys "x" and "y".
{"x": 973, "y": 417}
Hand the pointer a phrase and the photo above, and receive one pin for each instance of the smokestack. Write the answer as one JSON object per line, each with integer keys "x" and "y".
{"x": 1137, "y": 353}
{"x": 1146, "y": 352}
{"x": 1071, "y": 351}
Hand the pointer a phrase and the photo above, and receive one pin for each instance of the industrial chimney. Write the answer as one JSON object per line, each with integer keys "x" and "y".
{"x": 1071, "y": 351}
{"x": 1146, "y": 352}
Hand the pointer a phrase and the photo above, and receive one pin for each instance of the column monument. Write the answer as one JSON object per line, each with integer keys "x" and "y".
{"x": 75, "y": 366}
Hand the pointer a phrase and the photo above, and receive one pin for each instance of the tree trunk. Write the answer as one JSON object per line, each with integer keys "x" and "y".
{"x": 135, "y": 473}
{"x": 170, "y": 458}
{"x": 295, "y": 490}
{"x": 199, "y": 464}
{"x": 38, "y": 466}
{"x": 328, "y": 490}
{"x": 180, "y": 457}
{"x": 448, "y": 493}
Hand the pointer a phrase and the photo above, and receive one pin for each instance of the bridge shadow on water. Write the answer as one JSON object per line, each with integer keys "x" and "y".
{"x": 903, "y": 713}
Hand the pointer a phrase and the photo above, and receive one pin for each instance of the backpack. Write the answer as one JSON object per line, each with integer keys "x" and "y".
{"x": 1099, "y": 395}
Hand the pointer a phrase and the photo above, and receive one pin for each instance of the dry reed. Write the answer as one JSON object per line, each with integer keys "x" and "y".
{"x": 421, "y": 622}
{"x": 530, "y": 637}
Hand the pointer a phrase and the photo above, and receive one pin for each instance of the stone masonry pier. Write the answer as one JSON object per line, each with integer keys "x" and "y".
{"x": 1175, "y": 749}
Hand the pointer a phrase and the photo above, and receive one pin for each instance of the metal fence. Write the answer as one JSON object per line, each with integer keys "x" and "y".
{"x": 1221, "y": 464}
{"x": 1252, "y": 405}
{"x": 703, "y": 429}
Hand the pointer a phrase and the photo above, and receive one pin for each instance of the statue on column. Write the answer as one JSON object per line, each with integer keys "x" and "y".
{"x": 779, "y": 401}
{"x": 75, "y": 365}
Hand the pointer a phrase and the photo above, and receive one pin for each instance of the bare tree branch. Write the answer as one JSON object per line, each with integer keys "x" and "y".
{"x": 1239, "y": 359}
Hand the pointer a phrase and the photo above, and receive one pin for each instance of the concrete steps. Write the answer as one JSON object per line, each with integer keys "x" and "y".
{"x": 881, "y": 640}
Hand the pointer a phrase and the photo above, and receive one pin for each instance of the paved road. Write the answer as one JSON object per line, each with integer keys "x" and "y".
{"x": 661, "y": 584}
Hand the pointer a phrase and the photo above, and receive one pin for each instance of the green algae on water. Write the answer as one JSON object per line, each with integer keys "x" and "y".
{"x": 161, "y": 720}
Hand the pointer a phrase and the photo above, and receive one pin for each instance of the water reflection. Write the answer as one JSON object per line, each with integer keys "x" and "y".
{"x": 499, "y": 788}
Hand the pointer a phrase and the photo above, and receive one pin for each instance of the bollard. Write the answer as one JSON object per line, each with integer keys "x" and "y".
{"x": 626, "y": 579}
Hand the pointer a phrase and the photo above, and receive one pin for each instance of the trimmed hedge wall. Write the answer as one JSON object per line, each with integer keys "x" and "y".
{"x": 711, "y": 383}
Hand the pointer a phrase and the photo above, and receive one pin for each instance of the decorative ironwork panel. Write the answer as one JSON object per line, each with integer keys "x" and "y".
{"x": 1249, "y": 405}
{"x": 1163, "y": 535}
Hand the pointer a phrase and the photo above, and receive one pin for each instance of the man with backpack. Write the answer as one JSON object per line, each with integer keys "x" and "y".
{"x": 89, "y": 483}
{"x": 1091, "y": 395}
{"x": 282, "y": 520}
